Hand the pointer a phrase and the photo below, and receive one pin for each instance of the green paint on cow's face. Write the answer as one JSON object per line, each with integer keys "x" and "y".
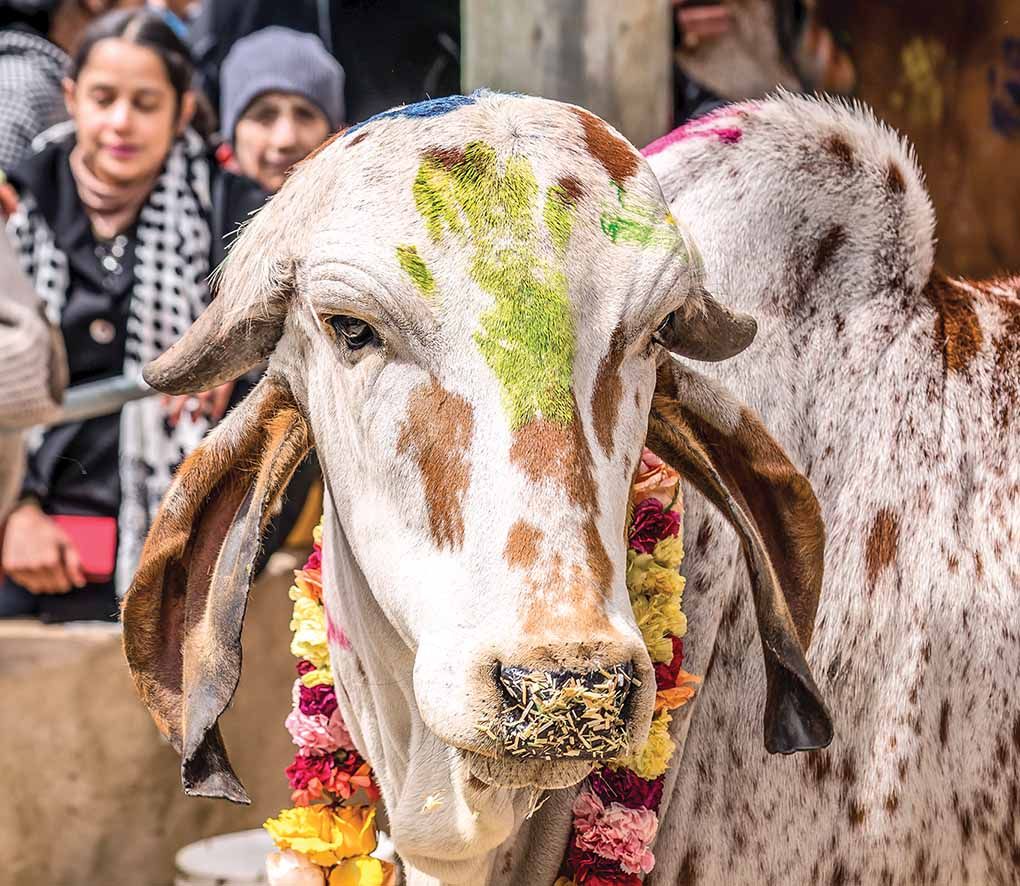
{"x": 527, "y": 336}
{"x": 415, "y": 268}
{"x": 641, "y": 223}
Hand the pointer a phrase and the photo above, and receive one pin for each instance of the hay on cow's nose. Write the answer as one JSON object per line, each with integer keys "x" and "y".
{"x": 564, "y": 715}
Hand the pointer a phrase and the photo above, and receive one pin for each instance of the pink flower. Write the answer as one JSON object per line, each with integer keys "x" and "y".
{"x": 651, "y": 524}
{"x": 615, "y": 832}
{"x": 303, "y": 667}
{"x": 307, "y": 767}
{"x": 626, "y": 788}
{"x": 319, "y": 699}
{"x": 314, "y": 560}
{"x": 654, "y": 479}
{"x": 317, "y": 733}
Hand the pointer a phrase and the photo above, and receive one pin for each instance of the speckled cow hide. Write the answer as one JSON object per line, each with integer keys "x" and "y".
{"x": 894, "y": 388}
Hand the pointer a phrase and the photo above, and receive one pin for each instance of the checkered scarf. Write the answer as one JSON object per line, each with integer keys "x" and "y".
{"x": 170, "y": 289}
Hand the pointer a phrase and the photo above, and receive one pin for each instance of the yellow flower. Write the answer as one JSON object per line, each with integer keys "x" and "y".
{"x": 563, "y": 881}
{"x": 669, "y": 551}
{"x": 637, "y": 566}
{"x": 657, "y": 617}
{"x": 653, "y": 759}
{"x": 667, "y": 582}
{"x": 309, "y": 627}
{"x": 362, "y": 871}
{"x": 320, "y": 677}
{"x": 317, "y": 533}
{"x": 325, "y": 835}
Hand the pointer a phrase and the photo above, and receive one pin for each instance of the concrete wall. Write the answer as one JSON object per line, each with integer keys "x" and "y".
{"x": 90, "y": 792}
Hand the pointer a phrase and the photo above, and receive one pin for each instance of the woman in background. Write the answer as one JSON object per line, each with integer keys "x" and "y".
{"x": 121, "y": 218}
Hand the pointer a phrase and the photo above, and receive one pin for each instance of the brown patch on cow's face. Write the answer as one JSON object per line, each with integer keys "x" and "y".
{"x": 445, "y": 157}
{"x": 894, "y": 180}
{"x": 882, "y": 543}
{"x": 437, "y": 433}
{"x": 957, "y": 328}
{"x": 840, "y": 148}
{"x": 618, "y": 158}
{"x": 546, "y": 451}
{"x": 608, "y": 391}
{"x": 521, "y": 551}
{"x": 828, "y": 246}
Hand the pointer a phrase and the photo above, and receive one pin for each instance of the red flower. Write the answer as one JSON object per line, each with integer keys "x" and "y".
{"x": 588, "y": 869}
{"x": 303, "y": 667}
{"x": 666, "y": 674}
{"x": 305, "y": 768}
{"x": 651, "y": 524}
{"x": 319, "y": 699}
{"x": 314, "y": 561}
{"x": 626, "y": 788}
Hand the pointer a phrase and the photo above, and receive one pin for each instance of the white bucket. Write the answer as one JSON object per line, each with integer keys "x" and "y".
{"x": 227, "y": 860}
{"x": 238, "y": 859}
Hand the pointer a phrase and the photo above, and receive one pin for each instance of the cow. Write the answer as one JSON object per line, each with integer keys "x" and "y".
{"x": 476, "y": 309}
{"x": 894, "y": 388}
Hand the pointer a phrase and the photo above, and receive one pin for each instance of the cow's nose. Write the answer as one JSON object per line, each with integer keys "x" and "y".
{"x": 576, "y": 714}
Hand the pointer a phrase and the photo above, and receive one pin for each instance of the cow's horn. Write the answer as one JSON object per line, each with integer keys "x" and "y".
{"x": 217, "y": 348}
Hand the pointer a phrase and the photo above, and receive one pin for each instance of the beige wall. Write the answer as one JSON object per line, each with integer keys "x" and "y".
{"x": 90, "y": 792}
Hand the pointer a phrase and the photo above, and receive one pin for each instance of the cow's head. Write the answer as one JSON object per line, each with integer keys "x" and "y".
{"x": 464, "y": 305}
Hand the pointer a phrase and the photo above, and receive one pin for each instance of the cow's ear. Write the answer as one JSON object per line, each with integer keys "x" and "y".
{"x": 183, "y": 612}
{"x": 724, "y": 450}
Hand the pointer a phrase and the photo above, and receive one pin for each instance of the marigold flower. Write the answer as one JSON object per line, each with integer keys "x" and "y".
{"x": 652, "y": 760}
{"x": 326, "y": 835}
{"x": 309, "y": 627}
{"x": 669, "y": 552}
{"x": 364, "y": 871}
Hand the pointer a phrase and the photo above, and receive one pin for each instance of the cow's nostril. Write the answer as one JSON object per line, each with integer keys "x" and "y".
{"x": 553, "y": 714}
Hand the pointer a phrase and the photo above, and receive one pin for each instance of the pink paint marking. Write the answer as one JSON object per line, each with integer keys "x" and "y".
{"x": 334, "y": 633}
{"x": 703, "y": 127}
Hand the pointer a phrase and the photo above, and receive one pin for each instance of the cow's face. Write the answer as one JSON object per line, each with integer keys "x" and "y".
{"x": 466, "y": 302}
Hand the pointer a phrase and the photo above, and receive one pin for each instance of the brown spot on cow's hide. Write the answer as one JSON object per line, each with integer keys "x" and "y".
{"x": 322, "y": 147}
{"x": 445, "y": 157}
{"x": 834, "y": 238}
{"x": 522, "y": 543}
{"x": 605, "y": 398}
{"x": 820, "y": 765}
{"x": 689, "y": 872}
{"x": 840, "y": 148}
{"x": 882, "y": 543}
{"x": 953, "y": 563}
{"x": 894, "y": 180}
{"x": 1016, "y": 733}
{"x": 437, "y": 433}
{"x": 892, "y": 802}
{"x": 944, "y": 723}
{"x": 572, "y": 187}
{"x": 856, "y": 814}
{"x": 598, "y": 560}
{"x": 958, "y": 331}
{"x": 617, "y": 157}
{"x": 359, "y": 138}
{"x": 839, "y": 875}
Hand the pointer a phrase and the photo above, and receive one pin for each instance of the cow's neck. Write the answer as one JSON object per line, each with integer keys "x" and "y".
{"x": 449, "y": 831}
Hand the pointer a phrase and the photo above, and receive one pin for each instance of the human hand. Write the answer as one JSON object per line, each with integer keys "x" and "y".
{"x": 211, "y": 404}
{"x": 702, "y": 22}
{"x": 39, "y": 555}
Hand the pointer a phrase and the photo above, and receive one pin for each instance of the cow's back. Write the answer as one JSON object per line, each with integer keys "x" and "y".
{"x": 895, "y": 390}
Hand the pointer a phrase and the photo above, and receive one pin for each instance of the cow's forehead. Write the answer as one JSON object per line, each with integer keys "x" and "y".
{"x": 507, "y": 210}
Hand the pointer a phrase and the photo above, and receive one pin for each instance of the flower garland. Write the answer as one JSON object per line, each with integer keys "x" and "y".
{"x": 320, "y": 840}
{"x": 323, "y": 842}
{"x": 615, "y": 817}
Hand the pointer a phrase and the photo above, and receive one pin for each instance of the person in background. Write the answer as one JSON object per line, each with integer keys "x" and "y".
{"x": 35, "y": 40}
{"x": 121, "y": 217}
{"x": 281, "y": 95}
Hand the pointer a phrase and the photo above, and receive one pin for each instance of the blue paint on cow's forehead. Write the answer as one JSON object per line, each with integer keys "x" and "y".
{"x": 433, "y": 107}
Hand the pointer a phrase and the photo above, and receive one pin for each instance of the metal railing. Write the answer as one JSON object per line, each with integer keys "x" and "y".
{"x": 101, "y": 397}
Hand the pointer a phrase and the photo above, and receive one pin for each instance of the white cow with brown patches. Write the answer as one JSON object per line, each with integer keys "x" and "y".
{"x": 463, "y": 307}
{"x": 895, "y": 389}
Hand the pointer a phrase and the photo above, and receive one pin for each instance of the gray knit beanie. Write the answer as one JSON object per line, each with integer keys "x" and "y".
{"x": 279, "y": 60}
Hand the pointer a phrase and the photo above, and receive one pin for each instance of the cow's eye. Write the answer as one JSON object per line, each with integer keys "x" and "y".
{"x": 661, "y": 329}
{"x": 355, "y": 333}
